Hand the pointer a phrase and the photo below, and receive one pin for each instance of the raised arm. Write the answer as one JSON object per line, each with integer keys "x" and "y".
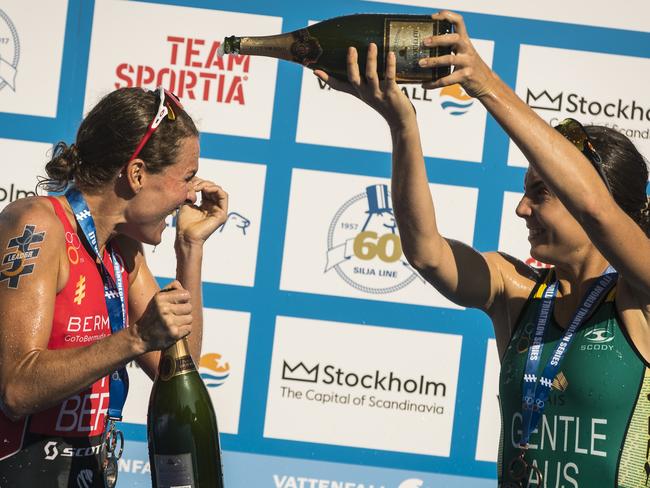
{"x": 566, "y": 171}
{"x": 459, "y": 272}
{"x": 193, "y": 227}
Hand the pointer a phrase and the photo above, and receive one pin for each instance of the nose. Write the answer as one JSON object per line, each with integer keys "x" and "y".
{"x": 523, "y": 209}
{"x": 191, "y": 196}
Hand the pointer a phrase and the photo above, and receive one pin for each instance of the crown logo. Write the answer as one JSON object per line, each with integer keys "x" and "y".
{"x": 544, "y": 100}
{"x": 299, "y": 372}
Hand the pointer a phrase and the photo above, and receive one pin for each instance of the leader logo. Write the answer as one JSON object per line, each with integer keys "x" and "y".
{"x": 363, "y": 246}
{"x": 193, "y": 71}
{"x": 9, "y": 52}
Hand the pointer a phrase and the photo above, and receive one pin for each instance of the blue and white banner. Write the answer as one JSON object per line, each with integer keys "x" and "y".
{"x": 331, "y": 362}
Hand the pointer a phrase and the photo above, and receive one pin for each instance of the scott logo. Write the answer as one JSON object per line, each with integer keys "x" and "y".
{"x": 51, "y": 451}
{"x": 600, "y": 336}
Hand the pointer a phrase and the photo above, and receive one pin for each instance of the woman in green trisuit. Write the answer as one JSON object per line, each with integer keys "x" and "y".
{"x": 574, "y": 341}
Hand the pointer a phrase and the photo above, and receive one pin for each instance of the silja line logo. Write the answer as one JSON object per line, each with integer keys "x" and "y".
{"x": 330, "y": 374}
{"x": 363, "y": 246}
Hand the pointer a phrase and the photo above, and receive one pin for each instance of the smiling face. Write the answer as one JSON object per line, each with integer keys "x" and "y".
{"x": 555, "y": 236}
{"x": 160, "y": 194}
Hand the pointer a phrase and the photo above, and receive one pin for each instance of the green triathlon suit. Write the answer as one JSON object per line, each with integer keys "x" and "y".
{"x": 595, "y": 430}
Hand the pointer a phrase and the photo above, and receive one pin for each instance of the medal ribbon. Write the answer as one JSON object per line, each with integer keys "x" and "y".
{"x": 536, "y": 393}
{"x": 113, "y": 294}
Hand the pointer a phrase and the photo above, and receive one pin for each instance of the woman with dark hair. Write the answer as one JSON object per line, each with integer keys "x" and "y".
{"x": 77, "y": 300}
{"x": 574, "y": 341}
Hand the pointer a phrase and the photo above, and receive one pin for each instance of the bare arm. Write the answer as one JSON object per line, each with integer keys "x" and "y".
{"x": 195, "y": 224}
{"x": 33, "y": 377}
{"x": 459, "y": 272}
{"x": 566, "y": 171}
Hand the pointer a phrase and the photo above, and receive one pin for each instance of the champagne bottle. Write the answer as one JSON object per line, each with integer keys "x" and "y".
{"x": 181, "y": 425}
{"x": 324, "y": 45}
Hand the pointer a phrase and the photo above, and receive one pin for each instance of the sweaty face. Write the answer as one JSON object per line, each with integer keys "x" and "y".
{"x": 555, "y": 236}
{"x": 163, "y": 193}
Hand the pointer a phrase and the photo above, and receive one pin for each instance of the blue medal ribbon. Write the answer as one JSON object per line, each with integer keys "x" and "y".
{"x": 113, "y": 294}
{"x": 535, "y": 393}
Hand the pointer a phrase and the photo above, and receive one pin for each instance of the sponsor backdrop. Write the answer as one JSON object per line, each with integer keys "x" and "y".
{"x": 330, "y": 362}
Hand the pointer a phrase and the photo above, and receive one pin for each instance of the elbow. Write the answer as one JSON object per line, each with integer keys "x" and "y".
{"x": 11, "y": 404}
{"x": 16, "y": 397}
{"x": 420, "y": 261}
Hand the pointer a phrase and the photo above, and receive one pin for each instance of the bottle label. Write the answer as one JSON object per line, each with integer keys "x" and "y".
{"x": 174, "y": 471}
{"x": 405, "y": 40}
{"x": 305, "y": 49}
{"x": 171, "y": 367}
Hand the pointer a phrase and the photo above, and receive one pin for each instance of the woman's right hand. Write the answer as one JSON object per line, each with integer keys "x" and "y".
{"x": 469, "y": 69}
{"x": 167, "y": 318}
{"x": 384, "y": 96}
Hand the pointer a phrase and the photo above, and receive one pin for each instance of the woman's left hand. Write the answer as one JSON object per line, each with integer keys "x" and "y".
{"x": 195, "y": 223}
{"x": 470, "y": 71}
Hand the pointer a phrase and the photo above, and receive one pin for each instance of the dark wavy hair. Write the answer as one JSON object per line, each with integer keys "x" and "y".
{"x": 626, "y": 172}
{"x": 108, "y": 136}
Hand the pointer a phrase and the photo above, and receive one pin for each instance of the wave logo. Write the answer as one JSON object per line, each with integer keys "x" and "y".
{"x": 454, "y": 100}
{"x": 411, "y": 483}
{"x": 212, "y": 371}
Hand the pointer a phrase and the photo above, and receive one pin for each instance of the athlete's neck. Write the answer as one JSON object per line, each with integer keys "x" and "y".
{"x": 574, "y": 281}
{"x": 107, "y": 213}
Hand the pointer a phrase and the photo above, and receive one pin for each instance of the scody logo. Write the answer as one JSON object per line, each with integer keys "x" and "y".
{"x": 574, "y": 103}
{"x": 330, "y": 374}
{"x": 9, "y": 52}
{"x": 600, "y": 335}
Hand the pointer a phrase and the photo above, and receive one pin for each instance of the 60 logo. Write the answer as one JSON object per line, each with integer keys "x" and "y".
{"x": 363, "y": 246}
{"x": 369, "y": 245}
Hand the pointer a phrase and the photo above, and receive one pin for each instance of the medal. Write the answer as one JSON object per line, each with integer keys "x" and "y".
{"x": 111, "y": 452}
{"x": 519, "y": 469}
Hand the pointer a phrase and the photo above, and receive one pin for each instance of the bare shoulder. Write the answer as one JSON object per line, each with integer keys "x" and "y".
{"x": 31, "y": 215}
{"x": 634, "y": 311}
{"x": 518, "y": 278}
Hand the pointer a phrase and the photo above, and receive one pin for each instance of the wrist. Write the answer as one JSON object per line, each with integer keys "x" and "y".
{"x": 185, "y": 246}
{"x": 136, "y": 344}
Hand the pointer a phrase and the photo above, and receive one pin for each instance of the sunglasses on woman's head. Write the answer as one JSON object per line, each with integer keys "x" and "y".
{"x": 575, "y": 133}
{"x": 164, "y": 110}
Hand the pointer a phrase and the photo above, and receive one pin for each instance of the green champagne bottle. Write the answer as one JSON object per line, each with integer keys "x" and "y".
{"x": 181, "y": 426}
{"x": 324, "y": 45}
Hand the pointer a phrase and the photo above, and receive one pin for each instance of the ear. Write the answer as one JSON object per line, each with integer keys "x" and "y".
{"x": 134, "y": 173}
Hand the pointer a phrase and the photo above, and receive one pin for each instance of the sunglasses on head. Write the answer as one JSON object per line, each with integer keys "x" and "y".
{"x": 575, "y": 133}
{"x": 164, "y": 110}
